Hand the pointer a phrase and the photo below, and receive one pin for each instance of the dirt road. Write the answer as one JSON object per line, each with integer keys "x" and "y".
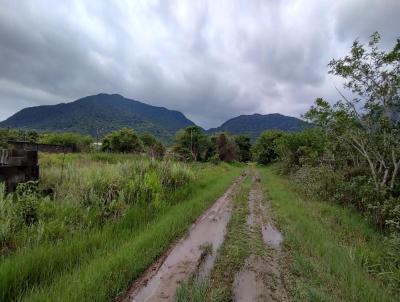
{"x": 161, "y": 281}
{"x": 262, "y": 278}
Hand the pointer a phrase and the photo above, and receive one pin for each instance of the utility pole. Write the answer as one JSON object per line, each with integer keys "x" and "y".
{"x": 98, "y": 131}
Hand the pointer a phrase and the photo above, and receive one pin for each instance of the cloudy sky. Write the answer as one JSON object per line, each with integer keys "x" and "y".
{"x": 212, "y": 60}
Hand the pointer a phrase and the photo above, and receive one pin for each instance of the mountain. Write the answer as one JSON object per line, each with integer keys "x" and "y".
{"x": 253, "y": 125}
{"x": 103, "y": 111}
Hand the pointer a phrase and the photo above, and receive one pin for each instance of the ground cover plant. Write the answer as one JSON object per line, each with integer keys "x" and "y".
{"x": 100, "y": 207}
{"x": 343, "y": 259}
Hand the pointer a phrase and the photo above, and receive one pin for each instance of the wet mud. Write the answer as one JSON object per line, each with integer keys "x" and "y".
{"x": 263, "y": 278}
{"x": 161, "y": 281}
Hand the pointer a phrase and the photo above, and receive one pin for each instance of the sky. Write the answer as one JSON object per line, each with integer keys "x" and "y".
{"x": 211, "y": 60}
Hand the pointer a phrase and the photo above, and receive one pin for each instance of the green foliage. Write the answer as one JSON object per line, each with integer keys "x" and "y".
{"x": 243, "y": 143}
{"x": 85, "y": 194}
{"x": 191, "y": 144}
{"x": 337, "y": 254}
{"x": 152, "y": 146}
{"x": 7, "y": 134}
{"x": 352, "y": 155}
{"x": 108, "y": 112}
{"x": 124, "y": 141}
{"x": 265, "y": 148}
{"x": 226, "y": 147}
{"x": 297, "y": 149}
{"x": 74, "y": 264}
{"x": 79, "y": 141}
{"x": 253, "y": 125}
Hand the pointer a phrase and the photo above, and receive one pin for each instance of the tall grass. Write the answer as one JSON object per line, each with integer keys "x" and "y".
{"x": 102, "y": 248}
{"x": 84, "y": 194}
{"x": 337, "y": 255}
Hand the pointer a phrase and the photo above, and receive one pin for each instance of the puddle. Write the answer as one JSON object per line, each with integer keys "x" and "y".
{"x": 250, "y": 219}
{"x": 271, "y": 236}
{"x": 244, "y": 287}
{"x": 183, "y": 259}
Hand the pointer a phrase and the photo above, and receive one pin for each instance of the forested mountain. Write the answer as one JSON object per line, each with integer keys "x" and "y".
{"x": 103, "y": 111}
{"x": 254, "y": 124}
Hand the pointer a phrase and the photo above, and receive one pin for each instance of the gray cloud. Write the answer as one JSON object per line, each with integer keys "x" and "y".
{"x": 210, "y": 59}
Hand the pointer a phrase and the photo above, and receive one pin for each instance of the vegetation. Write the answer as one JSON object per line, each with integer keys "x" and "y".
{"x": 86, "y": 191}
{"x": 243, "y": 143}
{"x": 101, "y": 112}
{"x": 152, "y": 146}
{"x": 78, "y": 141}
{"x": 105, "y": 209}
{"x": 226, "y": 147}
{"x": 124, "y": 140}
{"x": 343, "y": 259}
{"x": 265, "y": 150}
{"x": 254, "y": 125}
{"x": 191, "y": 144}
{"x": 7, "y": 134}
{"x": 352, "y": 156}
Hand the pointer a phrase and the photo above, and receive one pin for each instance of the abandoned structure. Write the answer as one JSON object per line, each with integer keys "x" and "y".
{"x": 18, "y": 166}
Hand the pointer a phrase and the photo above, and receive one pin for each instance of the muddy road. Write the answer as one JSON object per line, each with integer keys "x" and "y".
{"x": 161, "y": 280}
{"x": 262, "y": 278}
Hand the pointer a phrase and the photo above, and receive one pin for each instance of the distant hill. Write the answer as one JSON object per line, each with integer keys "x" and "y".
{"x": 253, "y": 125}
{"x": 104, "y": 111}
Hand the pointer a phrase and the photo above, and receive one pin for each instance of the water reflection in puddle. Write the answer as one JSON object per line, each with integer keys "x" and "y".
{"x": 271, "y": 236}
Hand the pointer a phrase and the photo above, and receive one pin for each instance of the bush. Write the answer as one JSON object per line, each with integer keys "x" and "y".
{"x": 152, "y": 146}
{"x": 78, "y": 141}
{"x": 265, "y": 150}
{"x": 244, "y": 147}
{"x": 124, "y": 140}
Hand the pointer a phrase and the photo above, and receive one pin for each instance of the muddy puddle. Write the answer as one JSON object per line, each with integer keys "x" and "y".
{"x": 244, "y": 286}
{"x": 161, "y": 282}
{"x": 271, "y": 236}
{"x": 262, "y": 277}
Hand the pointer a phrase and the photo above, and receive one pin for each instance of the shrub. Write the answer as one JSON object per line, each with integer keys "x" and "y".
{"x": 79, "y": 141}
{"x": 265, "y": 150}
{"x": 124, "y": 140}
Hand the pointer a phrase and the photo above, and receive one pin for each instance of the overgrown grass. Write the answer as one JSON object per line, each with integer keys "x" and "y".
{"x": 100, "y": 264}
{"x": 86, "y": 192}
{"x": 337, "y": 255}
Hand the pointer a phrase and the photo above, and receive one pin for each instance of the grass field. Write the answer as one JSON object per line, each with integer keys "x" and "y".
{"x": 98, "y": 262}
{"x": 336, "y": 254}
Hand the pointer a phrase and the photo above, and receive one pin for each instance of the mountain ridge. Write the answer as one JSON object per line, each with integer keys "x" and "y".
{"x": 109, "y": 112}
{"x": 254, "y": 124}
{"x": 102, "y": 111}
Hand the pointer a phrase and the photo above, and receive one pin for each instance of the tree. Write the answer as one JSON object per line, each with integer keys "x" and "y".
{"x": 152, "y": 146}
{"x": 244, "y": 147}
{"x": 78, "y": 141}
{"x": 226, "y": 147}
{"x": 7, "y": 134}
{"x": 191, "y": 144}
{"x": 368, "y": 123}
{"x": 265, "y": 150}
{"x": 124, "y": 140}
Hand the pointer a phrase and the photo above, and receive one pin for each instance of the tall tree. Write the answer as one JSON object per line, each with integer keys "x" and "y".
{"x": 369, "y": 122}
{"x": 191, "y": 143}
{"x": 226, "y": 147}
{"x": 244, "y": 147}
